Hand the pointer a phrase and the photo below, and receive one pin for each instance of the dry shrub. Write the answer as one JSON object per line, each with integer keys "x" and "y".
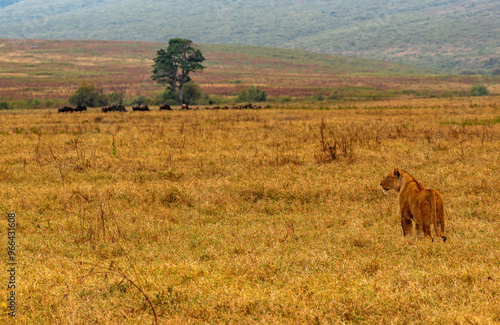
{"x": 334, "y": 147}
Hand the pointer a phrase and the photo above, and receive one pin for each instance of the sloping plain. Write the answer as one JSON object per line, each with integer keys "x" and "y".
{"x": 44, "y": 73}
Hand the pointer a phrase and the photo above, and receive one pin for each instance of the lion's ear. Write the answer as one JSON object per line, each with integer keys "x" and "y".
{"x": 396, "y": 172}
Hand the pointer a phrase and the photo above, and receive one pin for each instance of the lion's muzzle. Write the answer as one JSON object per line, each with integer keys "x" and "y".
{"x": 385, "y": 190}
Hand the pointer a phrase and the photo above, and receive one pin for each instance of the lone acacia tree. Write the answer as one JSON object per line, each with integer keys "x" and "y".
{"x": 173, "y": 65}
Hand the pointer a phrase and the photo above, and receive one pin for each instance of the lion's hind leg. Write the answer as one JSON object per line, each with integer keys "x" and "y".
{"x": 406, "y": 223}
{"x": 423, "y": 212}
{"x": 419, "y": 224}
{"x": 428, "y": 210}
{"x": 427, "y": 230}
{"x": 440, "y": 215}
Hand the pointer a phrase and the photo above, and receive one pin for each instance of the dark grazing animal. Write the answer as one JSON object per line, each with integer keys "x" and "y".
{"x": 80, "y": 108}
{"x": 114, "y": 108}
{"x": 165, "y": 107}
{"x": 246, "y": 106}
{"x": 142, "y": 107}
{"x": 65, "y": 109}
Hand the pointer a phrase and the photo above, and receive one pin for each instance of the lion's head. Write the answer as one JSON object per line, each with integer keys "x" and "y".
{"x": 391, "y": 181}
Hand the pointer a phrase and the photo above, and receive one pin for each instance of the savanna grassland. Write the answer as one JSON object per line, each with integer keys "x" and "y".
{"x": 252, "y": 216}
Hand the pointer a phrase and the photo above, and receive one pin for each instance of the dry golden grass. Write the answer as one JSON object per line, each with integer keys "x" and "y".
{"x": 242, "y": 217}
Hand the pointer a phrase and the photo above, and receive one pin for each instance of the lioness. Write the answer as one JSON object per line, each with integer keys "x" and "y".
{"x": 424, "y": 206}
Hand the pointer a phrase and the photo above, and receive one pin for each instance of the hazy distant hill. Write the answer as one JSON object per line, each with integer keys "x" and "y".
{"x": 460, "y": 34}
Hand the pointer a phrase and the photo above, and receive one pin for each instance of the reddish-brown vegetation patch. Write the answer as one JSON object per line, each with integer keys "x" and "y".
{"x": 44, "y": 69}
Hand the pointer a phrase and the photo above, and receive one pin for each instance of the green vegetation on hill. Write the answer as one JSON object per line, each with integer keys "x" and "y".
{"x": 45, "y": 73}
{"x": 444, "y": 33}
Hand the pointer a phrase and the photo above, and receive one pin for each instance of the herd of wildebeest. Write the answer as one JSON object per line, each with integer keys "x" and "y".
{"x": 144, "y": 107}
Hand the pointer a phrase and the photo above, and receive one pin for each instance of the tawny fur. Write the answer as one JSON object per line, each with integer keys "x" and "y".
{"x": 417, "y": 203}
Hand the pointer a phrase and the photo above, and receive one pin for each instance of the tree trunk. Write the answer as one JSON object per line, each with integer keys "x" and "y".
{"x": 181, "y": 94}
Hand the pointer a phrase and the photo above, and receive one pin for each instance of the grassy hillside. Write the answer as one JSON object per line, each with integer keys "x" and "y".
{"x": 444, "y": 33}
{"x": 42, "y": 73}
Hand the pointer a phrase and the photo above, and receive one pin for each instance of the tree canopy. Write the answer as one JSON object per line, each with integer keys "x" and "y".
{"x": 88, "y": 95}
{"x": 173, "y": 65}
